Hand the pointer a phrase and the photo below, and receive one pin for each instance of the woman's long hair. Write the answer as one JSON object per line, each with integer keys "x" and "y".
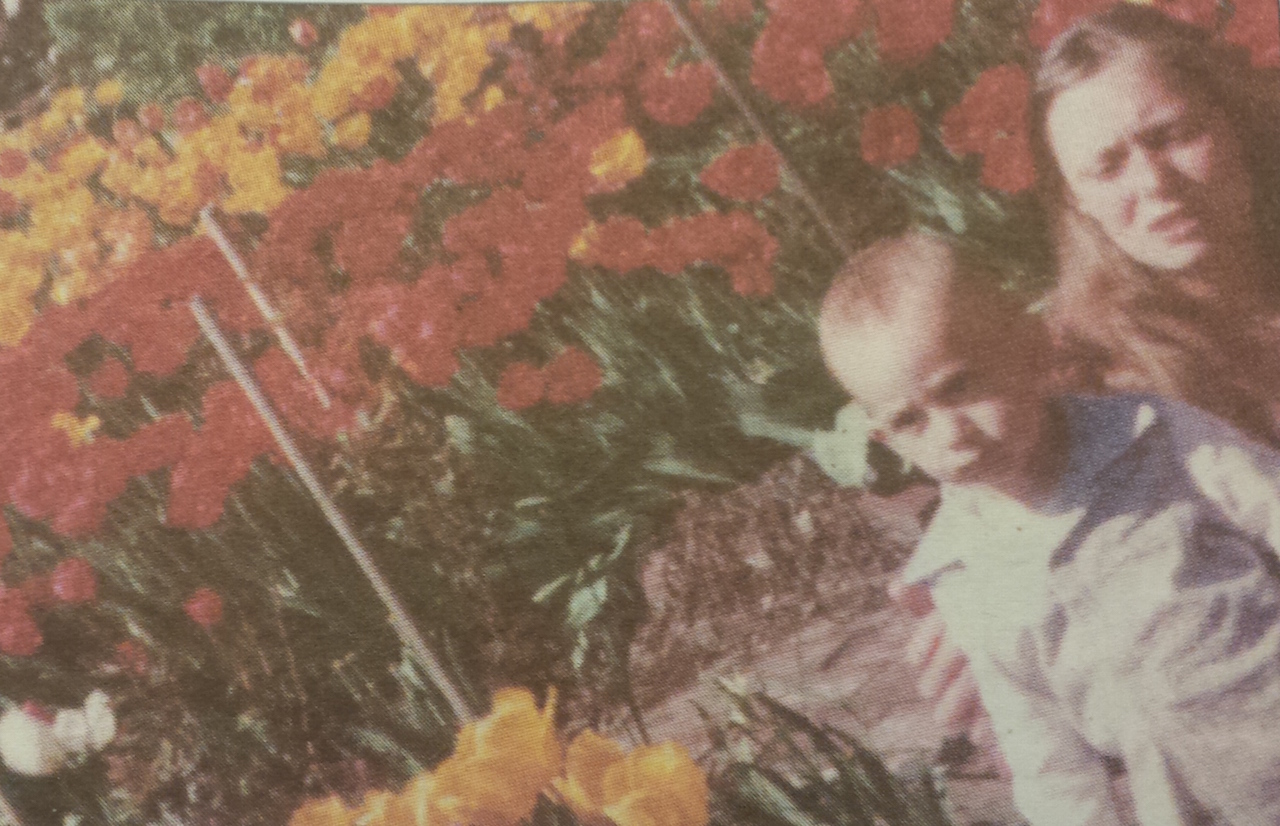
{"x": 1124, "y": 325}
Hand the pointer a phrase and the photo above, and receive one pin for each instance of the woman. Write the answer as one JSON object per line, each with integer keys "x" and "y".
{"x": 1159, "y": 159}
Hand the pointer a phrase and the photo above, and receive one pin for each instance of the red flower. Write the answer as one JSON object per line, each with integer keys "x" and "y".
{"x": 494, "y": 316}
{"x": 572, "y": 377}
{"x": 677, "y": 97}
{"x": 74, "y": 581}
{"x": 991, "y": 120}
{"x": 1256, "y": 27}
{"x": 204, "y": 607}
{"x": 788, "y": 70}
{"x": 215, "y": 81}
{"x": 13, "y": 162}
{"x": 157, "y": 445}
{"x": 131, "y": 657}
{"x": 69, "y": 485}
{"x": 621, "y": 243}
{"x": 369, "y": 247}
{"x": 744, "y": 173}
{"x": 303, "y": 32}
{"x": 19, "y": 634}
{"x": 217, "y": 457}
{"x": 818, "y": 24}
{"x": 295, "y": 400}
{"x": 189, "y": 115}
{"x": 648, "y": 29}
{"x": 374, "y": 95}
{"x": 908, "y": 30}
{"x": 1009, "y": 164}
{"x": 10, "y": 206}
{"x": 522, "y": 385}
{"x": 151, "y": 116}
{"x": 110, "y": 380}
{"x": 1053, "y": 17}
{"x": 890, "y": 136}
{"x": 490, "y": 150}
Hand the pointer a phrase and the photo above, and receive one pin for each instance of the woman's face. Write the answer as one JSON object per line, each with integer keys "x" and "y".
{"x": 1162, "y": 174}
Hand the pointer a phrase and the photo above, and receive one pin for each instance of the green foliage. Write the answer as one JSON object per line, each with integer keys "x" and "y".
{"x": 155, "y": 47}
{"x": 776, "y": 767}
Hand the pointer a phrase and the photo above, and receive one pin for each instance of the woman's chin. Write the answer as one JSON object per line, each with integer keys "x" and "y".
{"x": 1173, "y": 256}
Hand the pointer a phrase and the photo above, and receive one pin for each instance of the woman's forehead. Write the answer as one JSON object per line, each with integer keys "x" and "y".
{"x": 1107, "y": 107}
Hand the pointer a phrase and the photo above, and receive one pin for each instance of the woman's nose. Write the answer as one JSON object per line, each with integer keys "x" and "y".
{"x": 1148, "y": 173}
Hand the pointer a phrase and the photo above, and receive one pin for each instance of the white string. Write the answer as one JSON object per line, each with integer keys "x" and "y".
{"x": 757, "y": 126}
{"x": 397, "y": 615}
{"x": 269, "y": 313}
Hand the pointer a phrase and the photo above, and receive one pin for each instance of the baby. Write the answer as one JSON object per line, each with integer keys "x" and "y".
{"x": 1107, "y": 564}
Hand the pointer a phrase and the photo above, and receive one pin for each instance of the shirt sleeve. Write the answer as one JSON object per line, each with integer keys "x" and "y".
{"x": 1058, "y": 779}
{"x": 1240, "y": 476}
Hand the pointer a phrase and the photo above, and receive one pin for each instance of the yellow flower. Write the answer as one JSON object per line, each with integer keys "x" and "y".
{"x": 254, "y": 176}
{"x": 352, "y": 132}
{"x": 79, "y": 431}
{"x": 582, "y": 244}
{"x": 120, "y": 175}
{"x": 335, "y": 87}
{"x": 374, "y": 810}
{"x": 69, "y": 101}
{"x": 620, "y": 159}
{"x": 67, "y": 219}
{"x": 500, "y": 764}
{"x": 656, "y": 786}
{"x": 384, "y": 39}
{"x": 493, "y": 98}
{"x": 302, "y": 135}
{"x": 412, "y": 806}
{"x": 83, "y": 159}
{"x": 109, "y": 92}
{"x": 15, "y": 320}
{"x": 549, "y": 17}
{"x": 587, "y": 760}
{"x": 330, "y": 811}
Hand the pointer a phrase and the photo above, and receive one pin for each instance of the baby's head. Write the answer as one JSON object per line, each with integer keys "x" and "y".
{"x": 950, "y": 368}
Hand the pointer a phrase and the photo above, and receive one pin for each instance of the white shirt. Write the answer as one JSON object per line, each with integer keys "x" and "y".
{"x": 1138, "y": 618}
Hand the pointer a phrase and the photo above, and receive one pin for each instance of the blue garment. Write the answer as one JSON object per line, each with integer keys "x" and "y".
{"x": 1135, "y": 616}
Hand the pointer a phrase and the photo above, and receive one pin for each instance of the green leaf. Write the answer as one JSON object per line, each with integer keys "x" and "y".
{"x": 586, "y": 603}
{"x": 767, "y": 795}
{"x": 546, "y": 591}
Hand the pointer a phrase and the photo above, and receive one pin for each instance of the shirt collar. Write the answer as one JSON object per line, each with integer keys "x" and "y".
{"x": 1100, "y": 430}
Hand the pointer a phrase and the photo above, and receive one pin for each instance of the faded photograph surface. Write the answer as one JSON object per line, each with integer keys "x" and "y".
{"x": 651, "y": 413}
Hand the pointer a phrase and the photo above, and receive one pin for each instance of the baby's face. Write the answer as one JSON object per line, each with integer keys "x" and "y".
{"x": 956, "y": 393}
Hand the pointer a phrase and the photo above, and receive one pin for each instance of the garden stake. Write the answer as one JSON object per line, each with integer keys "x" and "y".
{"x": 757, "y": 126}
{"x": 398, "y": 617}
{"x": 269, "y": 313}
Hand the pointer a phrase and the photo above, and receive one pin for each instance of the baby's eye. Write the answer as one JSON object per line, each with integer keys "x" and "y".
{"x": 907, "y": 420}
{"x": 955, "y": 386}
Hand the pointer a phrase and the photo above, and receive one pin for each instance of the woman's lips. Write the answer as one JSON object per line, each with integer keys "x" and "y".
{"x": 1176, "y": 224}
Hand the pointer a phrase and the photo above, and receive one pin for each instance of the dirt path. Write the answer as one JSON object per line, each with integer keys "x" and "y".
{"x": 781, "y": 584}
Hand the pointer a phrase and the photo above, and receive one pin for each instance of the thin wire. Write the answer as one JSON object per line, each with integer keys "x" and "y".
{"x": 8, "y": 815}
{"x": 269, "y": 313}
{"x": 757, "y": 126}
{"x": 397, "y": 615}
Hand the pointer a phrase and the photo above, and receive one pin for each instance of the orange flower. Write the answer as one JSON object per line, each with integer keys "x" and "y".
{"x": 330, "y": 811}
{"x": 620, "y": 159}
{"x": 588, "y": 759}
{"x": 656, "y": 786}
{"x": 501, "y": 763}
